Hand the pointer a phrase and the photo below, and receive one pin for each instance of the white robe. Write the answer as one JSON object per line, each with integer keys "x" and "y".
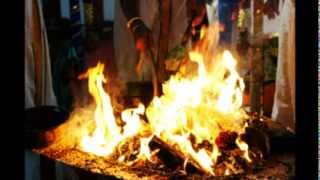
{"x": 284, "y": 99}
{"x": 46, "y": 96}
{"x": 125, "y": 52}
{"x": 212, "y": 12}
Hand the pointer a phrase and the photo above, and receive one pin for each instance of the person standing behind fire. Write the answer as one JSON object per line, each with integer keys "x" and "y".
{"x": 284, "y": 99}
{"x": 137, "y": 30}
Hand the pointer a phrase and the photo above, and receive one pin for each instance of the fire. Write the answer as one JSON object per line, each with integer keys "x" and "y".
{"x": 201, "y": 106}
{"x": 145, "y": 153}
{"x": 108, "y": 134}
{"x": 189, "y": 116}
{"x": 244, "y": 147}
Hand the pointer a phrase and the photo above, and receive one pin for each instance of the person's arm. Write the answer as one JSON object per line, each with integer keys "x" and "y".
{"x": 135, "y": 24}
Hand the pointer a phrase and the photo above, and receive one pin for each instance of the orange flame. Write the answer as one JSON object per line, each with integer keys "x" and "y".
{"x": 200, "y": 106}
{"x": 108, "y": 134}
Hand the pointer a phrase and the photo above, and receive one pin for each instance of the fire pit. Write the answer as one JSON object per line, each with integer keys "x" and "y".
{"x": 278, "y": 163}
{"x": 196, "y": 129}
{"x": 276, "y": 167}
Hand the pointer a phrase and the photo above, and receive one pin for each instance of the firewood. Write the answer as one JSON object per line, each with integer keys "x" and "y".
{"x": 173, "y": 160}
{"x": 178, "y": 156}
{"x": 226, "y": 140}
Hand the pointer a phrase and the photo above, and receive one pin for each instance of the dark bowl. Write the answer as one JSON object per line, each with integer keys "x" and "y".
{"x": 38, "y": 123}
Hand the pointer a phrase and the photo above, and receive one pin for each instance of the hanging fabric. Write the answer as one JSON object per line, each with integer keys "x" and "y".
{"x": 38, "y": 78}
{"x": 284, "y": 100}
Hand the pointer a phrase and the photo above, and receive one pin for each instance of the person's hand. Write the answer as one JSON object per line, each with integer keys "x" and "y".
{"x": 142, "y": 36}
{"x": 143, "y": 43}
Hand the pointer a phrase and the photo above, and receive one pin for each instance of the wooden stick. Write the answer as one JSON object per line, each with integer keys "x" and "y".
{"x": 177, "y": 153}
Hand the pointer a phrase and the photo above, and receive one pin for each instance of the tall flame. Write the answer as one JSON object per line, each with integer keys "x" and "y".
{"x": 108, "y": 134}
{"x": 191, "y": 112}
{"x": 201, "y": 106}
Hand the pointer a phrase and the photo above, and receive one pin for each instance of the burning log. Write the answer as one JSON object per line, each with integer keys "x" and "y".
{"x": 231, "y": 159}
{"x": 258, "y": 136}
{"x": 226, "y": 140}
{"x": 176, "y": 157}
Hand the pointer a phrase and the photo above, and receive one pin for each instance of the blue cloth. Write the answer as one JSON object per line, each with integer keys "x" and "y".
{"x": 225, "y": 9}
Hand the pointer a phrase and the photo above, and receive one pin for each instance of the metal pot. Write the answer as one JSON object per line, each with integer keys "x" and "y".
{"x": 38, "y": 123}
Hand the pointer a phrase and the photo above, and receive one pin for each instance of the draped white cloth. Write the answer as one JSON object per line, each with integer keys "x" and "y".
{"x": 34, "y": 96}
{"x": 284, "y": 99}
